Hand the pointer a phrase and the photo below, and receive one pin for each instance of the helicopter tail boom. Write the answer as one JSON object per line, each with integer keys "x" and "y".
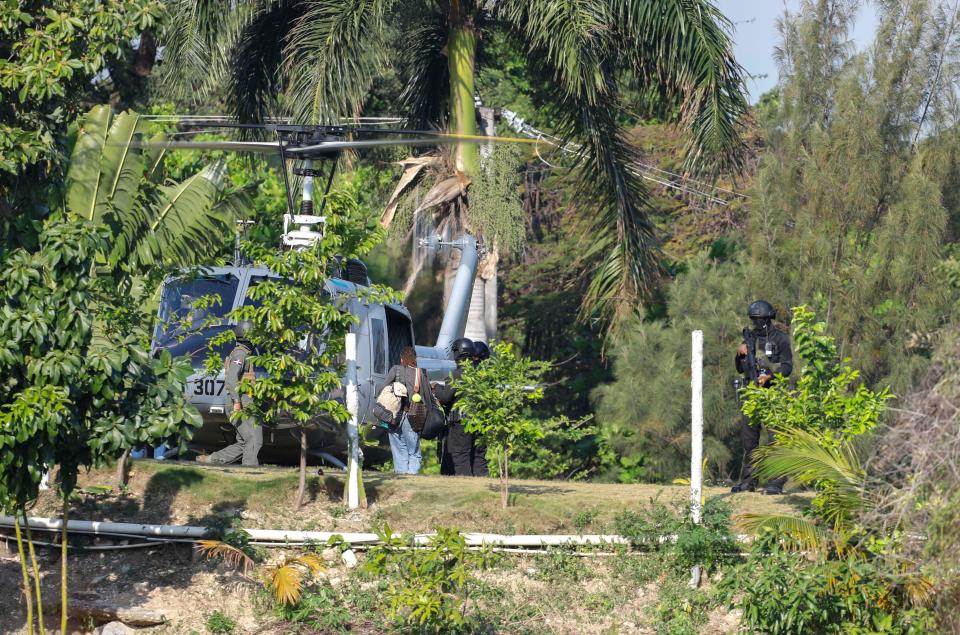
{"x": 455, "y": 315}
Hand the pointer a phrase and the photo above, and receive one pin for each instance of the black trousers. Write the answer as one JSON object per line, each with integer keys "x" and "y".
{"x": 750, "y": 437}
{"x": 462, "y": 454}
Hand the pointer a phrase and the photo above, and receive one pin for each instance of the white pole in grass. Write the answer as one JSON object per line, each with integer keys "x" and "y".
{"x": 353, "y": 433}
{"x": 696, "y": 438}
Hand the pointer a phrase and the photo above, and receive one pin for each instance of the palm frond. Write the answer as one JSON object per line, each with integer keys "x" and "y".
{"x": 800, "y": 533}
{"x": 424, "y": 64}
{"x": 332, "y": 55}
{"x": 571, "y": 41}
{"x": 199, "y": 42}
{"x": 233, "y": 556}
{"x": 256, "y": 75}
{"x": 683, "y": 47}
{"x": 414, "y": 167}
{"x": 286, "y": 580}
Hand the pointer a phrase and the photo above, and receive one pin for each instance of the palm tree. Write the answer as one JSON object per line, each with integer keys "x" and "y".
{"x": 316, "y": 60}
{"x": 844, "y": 491}
{"x": 153, "y": 221}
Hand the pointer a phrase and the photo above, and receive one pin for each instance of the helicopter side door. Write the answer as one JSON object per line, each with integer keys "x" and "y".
{"x": 372, "y": 360}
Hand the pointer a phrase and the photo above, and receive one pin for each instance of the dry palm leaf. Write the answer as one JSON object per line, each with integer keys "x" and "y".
{"x": 445, "y": 191}
{"x": 230, "y": 554}
{"x": 286, "y": 580}
{"x": 413, "y": 167}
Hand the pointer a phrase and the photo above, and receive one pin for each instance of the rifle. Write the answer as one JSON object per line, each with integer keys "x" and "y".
{"x": 751, "y": 375}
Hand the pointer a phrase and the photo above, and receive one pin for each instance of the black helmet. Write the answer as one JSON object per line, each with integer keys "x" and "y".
{"x": 482, "y": 351}
{"x": 463, "y": 348}
{"x": 761, "y": 310}
{"x": 243, "y": 328}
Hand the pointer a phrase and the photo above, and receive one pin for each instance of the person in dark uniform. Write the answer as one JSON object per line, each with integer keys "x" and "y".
{"x": 236, "y": 367}
{"x": 457, "y": 446}
{"x": 479, "y": 456}
{"x": 773, "y": 356}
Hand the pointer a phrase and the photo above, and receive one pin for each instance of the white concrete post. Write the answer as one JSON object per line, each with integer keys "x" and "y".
{"x": 353, "y": 433}
{"x": 696, "y": 431}
{"x": 696, "y": 438}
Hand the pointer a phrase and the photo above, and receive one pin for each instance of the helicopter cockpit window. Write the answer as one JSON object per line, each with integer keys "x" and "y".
{"x": 379, "y": 352}
{"x": 185, "y": 328}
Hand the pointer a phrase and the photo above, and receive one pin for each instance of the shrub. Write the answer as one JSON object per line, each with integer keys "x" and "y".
{"x": 710, "y": 543}
{"x": 430, "y": 586}
{"x": 220, "y": 624}
{"x": 782, "y": 591}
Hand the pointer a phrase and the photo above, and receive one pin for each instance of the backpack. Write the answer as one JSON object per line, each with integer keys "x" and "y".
{"x": 417, "y": 410}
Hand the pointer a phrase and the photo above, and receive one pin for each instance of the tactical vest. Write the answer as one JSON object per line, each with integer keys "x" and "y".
{"x": 770, "y": 363}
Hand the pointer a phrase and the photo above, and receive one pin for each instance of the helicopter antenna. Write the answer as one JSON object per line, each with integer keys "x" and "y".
{"x": 238, "y": 258}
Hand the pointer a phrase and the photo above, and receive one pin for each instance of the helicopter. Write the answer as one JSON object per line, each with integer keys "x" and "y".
{"x": 382, "y": 330}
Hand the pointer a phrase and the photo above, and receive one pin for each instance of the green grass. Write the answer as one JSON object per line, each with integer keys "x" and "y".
{"x": 179, "y": 493}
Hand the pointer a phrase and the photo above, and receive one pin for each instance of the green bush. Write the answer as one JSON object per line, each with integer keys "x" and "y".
{"x": 710, "y": 543}
{"x": 319, "y": 609}
{"x": 828, "y": 397}
{"x": 679, "y": 610}
{"x": 782, "y": 592}
{"x": 429, "y": 586}
{"x": 220, "y": 624}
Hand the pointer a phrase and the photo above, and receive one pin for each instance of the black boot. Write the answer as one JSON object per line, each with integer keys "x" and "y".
{"x": 746, "y": 485}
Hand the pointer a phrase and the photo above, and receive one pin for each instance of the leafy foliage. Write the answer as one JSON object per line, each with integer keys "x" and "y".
{"x": 430, "y": 584}
{"x": 494, "y": 397}
{"x": 79, "y": 387}
{"x": 644, "y": 413}
{"x": 334, "y": 52}
{"x": 220, "y": 624}
{"x": 857, "y": 187}
{"x": 781, "y": 591}
{"x": 709, "y": 543}
{"x": 49, "y": 53}
{"x": 153, "y": 221}
{"x": 828, "y": 398}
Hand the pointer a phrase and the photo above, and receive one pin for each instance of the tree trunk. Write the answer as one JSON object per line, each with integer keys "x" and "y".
{"x": 36, "y": 572}
{"x": 63, "y": 567}
{"x": 506, "y": 479}
{"x": 122, "y": 472}
{"x": 27, "y": 593}
{"x": 301, "y": 488}
{"x": 461, "y": 57}
{"x": 476, "y": 328}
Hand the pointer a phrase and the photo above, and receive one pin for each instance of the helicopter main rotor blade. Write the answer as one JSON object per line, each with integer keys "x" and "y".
{"x": 332, "y": 146}
{"x": 232, "y": 146}
{"x": 325, "y": 147}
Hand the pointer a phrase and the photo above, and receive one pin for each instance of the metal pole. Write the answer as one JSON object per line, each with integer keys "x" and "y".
{"x": 696, "y": 438}
{"x": 353, "y": 434}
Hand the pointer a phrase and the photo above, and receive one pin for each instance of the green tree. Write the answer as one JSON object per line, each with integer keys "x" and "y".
{"x": 299, "y": 325}
{"x": 79, "y": 385}
{"x": 49, "y": 52}
{"x": 494, "y": 398}
{"x": 154, "y": 221}
{"x": 333, "y": 52}
{"x": 857, "y": 192}
{"x": 644, "y": 413}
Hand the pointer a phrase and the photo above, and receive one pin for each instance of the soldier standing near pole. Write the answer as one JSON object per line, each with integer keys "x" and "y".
{"x": 764, "y": 353}
{"x": 237, "y": 367}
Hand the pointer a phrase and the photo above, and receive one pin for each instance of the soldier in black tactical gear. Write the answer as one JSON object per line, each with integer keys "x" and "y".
{"x": 456, "y": 445}
{"x": 236, "y": 367}
{"x": 764, "y": 353}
